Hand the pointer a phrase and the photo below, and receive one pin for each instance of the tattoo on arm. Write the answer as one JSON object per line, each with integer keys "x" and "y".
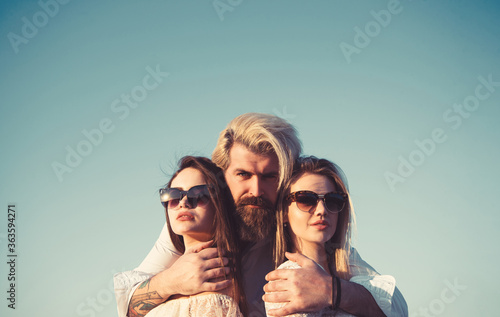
{"x": 143, "y": 302}
{"x": 145, "y": 283}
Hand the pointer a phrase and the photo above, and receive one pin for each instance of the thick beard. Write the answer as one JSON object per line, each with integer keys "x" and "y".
{"x": 255, "y": 224}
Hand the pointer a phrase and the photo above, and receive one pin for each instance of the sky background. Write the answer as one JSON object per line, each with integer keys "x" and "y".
{"x": 362, "y": 93}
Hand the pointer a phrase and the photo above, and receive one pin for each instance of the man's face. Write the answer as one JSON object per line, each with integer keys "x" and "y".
{"x": 253, "y": 181}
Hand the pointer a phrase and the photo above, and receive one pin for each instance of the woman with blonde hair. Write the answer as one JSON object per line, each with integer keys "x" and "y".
{"x": 314, "y": 218}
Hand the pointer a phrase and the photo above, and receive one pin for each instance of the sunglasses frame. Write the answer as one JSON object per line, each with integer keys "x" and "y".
{"x": 292, "y": 197}
{"x": 192, "y": 201}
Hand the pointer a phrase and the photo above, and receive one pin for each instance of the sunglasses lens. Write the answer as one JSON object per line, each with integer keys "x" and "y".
{"x": 173, "y": 203}
{"x": 198, "y": 196}
{"x": 170, "y": 196}
{"x": 306, "y": 201}
{"x": 334, "y": 202}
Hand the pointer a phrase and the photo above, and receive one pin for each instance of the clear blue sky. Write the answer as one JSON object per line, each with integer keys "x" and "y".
{"x": 405, "y": 100}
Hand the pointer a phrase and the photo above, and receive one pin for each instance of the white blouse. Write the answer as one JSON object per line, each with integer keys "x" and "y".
{"x": 208, "y": 305}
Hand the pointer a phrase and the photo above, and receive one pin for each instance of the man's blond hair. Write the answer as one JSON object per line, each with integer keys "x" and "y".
{"x": 262, "y": 134}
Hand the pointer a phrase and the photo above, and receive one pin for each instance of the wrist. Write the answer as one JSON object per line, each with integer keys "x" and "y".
{"x": 158, "y": 284}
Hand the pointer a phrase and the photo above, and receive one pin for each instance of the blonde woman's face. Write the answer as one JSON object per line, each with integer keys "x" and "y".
{"x": 315, "y": 227}
{"x": 195, "y": 223}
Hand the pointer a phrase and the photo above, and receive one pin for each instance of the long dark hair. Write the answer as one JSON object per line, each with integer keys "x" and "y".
{"x": 225, "y": 236}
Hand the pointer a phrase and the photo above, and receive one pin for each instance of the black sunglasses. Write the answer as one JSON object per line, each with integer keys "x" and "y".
{"x": 196, "y": 196}
{"x": 307, "y": 200}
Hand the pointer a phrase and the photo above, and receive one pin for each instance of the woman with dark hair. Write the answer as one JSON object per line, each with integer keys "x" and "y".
{"x": 198, "y": 208}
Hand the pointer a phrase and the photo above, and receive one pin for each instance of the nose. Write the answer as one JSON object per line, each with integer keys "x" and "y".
{"x": 256, "y": 187}
{"x": 183, "y": 203}
{"x": 320, "y": 208}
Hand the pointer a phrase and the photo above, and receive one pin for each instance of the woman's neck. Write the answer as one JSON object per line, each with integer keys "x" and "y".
{"x": 313, "y": 251}
{"x": 190, "y": 241}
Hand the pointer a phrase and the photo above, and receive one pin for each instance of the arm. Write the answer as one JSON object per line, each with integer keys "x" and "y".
{"x": 144, "y": 299}
{"x": 156, "y": 264}
{"x": 358, "y": 301}
{"x": 190, "y": 274}
{"x": 382, "y": 287}
{"x": 162, "y": 256}
{"x": 310, "y": 289}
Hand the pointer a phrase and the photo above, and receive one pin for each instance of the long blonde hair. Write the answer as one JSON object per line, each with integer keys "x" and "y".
{"x": 338, "y": 247}
{"x": 263, "y": 134}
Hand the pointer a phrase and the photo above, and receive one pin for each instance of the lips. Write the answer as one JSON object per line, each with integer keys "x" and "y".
{"x": 253, "y": 206}
{"x": 185, "y": 216}
{"x": 255, "y": 203}
{"x": 320, "y": 224}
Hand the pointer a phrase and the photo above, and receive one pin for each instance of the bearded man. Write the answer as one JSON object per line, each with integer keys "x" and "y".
{"x": 256, "y": 152}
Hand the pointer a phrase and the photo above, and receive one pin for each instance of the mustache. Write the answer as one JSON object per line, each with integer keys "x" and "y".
{"x": 255, "y": 224}
{"x": 256, "y": 201}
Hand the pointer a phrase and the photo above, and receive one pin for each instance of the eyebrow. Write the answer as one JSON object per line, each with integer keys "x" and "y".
{"x": 273, "y": 173}
{"x": 185, "y": 190}
{"x": 238, "y": 170}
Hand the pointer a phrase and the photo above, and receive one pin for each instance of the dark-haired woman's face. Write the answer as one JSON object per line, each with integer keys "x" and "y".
{"x": 318, "y": 226}
{"x": 195, "y": 224}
